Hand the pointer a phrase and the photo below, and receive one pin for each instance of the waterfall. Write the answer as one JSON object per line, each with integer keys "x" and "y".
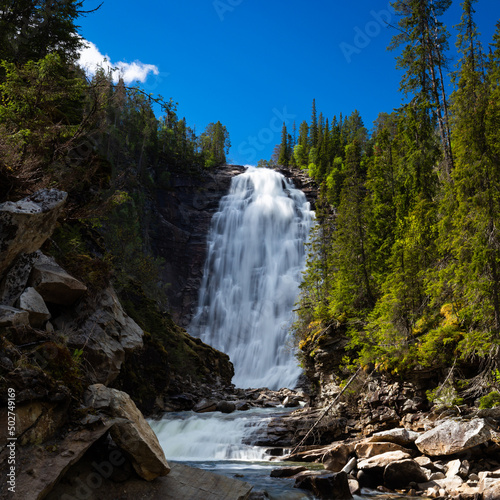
{"x": 210, "y": 436}
{"x": 251, "y": 279}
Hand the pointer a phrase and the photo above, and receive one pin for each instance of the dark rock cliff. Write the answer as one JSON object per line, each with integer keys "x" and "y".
{"x": 182, "y": 220}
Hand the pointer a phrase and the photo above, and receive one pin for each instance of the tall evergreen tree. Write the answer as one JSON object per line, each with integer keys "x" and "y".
{"x": 425, "y": 39}
{"x": 284, "y": 156}
{"x": 313, "y": 129}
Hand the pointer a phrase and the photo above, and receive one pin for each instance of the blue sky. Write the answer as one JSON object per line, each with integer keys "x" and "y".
{"x": 253, "y": 64}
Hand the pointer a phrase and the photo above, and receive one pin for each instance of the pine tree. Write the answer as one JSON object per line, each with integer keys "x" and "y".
{"x": 313, "y": 129}
{"x": 284, "y": 157}
{"x": 469, "y": 239}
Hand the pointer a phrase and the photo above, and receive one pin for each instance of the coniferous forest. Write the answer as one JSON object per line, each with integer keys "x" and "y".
{"x": 406, "y": 253}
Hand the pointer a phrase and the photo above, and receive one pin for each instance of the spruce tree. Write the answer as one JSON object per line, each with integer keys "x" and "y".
{"x": 284, "y": 157}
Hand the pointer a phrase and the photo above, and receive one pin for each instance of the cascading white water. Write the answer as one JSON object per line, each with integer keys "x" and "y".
{"x": 251, "y": 280}
{"x": 210, "y": 436}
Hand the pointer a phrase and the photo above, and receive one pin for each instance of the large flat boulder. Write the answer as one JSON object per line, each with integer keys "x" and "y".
{"x": 454, "y": 436}
{"x": 27, "y": 223}
{"x": 132, "y": 434}
{"x": 90, "y": 478}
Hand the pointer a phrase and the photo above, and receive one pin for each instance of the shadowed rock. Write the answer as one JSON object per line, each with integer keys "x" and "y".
{"x": 27, "y": 223}
{"x": 53, "y": 283}
{"x": 132, "y": 434}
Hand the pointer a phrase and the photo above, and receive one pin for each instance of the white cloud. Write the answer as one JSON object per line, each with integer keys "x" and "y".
{"x": 91, "y": 59}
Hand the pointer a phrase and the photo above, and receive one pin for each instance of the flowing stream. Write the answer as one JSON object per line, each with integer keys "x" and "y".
{"x": 217, "y": 442}
{"x": 255, "y": 259}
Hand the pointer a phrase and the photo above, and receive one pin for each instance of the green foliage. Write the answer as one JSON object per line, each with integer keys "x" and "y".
{"x": 444, "y": 396}
{"x": 41, "y": 113}
{"x": 490, "y": 400}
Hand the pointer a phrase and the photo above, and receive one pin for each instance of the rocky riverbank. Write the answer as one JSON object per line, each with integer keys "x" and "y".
{"x": 443, "y": 453}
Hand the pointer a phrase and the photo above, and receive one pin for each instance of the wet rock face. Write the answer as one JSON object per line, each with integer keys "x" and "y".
{"x": 183, "y": 216}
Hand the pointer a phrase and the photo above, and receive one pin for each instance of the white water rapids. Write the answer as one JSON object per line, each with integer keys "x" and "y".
{"x": 255, "y": 259}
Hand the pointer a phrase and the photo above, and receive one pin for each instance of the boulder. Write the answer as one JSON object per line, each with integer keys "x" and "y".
{"x": 111, "y": 317}
{"x": 103, "y": 354}
{"x": 493, "y": 413}
{"x": 16, "y": 278}
{"x": 354, "y": 487}
{"x": 426, "y": 462}
{"x": 10, "y": 316}
{"x": 453, "y": 467}
{"x": 400, "y": 436}
{"x": 449, "y": 484}
{"x": 225, "y": 407}
{"x": 454, "y": 436}
{"x": 102, "y": 329}
{"x": 53, "y": 283}
{"x": 326, "y": 486}
{"x": 400, "y": 473}
{"x": 382, "y": 461}
{"x": 36, "y": 422}
{"x": 133, "y": 435}
{"x": 32, "y": 302}
{"x": 350, "y": 466}
{"x": 291, "y": 402}
{"x": 489, "y": 484}
{"x": 26, "y": 224}
{"x": 367, "y": 449}
{"x": 336, "y": 457}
